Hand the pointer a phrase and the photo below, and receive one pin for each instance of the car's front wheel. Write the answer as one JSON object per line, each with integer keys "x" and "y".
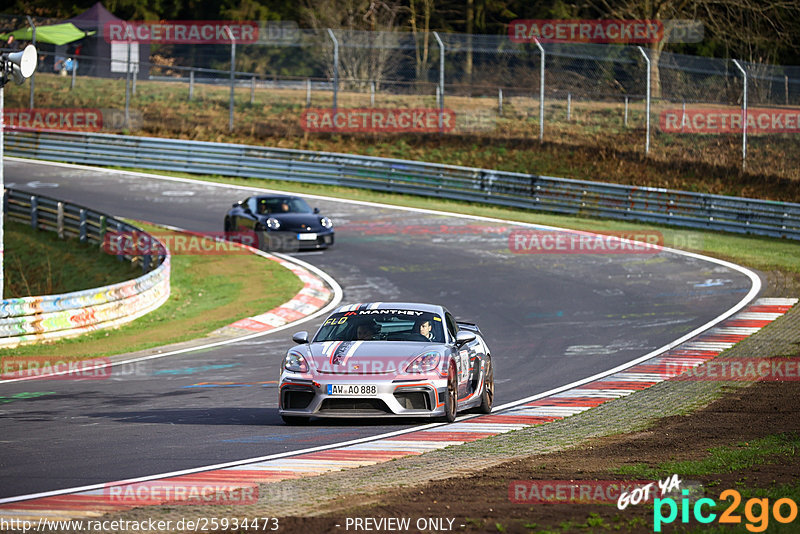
{"x": 487, "y": 395}
{"x": 451, "y": 396}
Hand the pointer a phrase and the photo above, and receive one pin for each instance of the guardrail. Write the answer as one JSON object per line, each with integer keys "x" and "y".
{"x": 545, "y": 193}
{"x": 37, "y": 318}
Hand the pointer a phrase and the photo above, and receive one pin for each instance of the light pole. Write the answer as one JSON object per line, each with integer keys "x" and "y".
{"x": 20, "y": 66}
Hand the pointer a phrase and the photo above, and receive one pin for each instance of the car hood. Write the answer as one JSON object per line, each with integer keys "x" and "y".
{"x": 366, "y": 357}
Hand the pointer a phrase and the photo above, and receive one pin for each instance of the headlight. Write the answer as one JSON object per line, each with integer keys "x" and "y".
{"x": 273, "y": 223}
{"x": 326, "y": 222}
{"x": 294, "y": 361}
{"x": 424, "y": 363}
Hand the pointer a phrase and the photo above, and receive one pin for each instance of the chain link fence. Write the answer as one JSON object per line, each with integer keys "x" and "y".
{"x": 591, "y": 94}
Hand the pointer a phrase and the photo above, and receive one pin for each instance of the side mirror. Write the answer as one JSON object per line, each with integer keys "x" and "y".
{"x": 316, "y": 210}
{"x": 301, "y": 338}
{"x": 236, "y": 204}
{"x": 463, "y": 337}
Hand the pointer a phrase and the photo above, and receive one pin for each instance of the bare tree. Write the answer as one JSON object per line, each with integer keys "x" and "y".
{"x": 367, "y": 30}
{"x": 751, "y": 26}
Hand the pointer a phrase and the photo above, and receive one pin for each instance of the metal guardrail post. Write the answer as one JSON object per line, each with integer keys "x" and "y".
{"x": 191, "y": 84}
{"x": 60, "y": 220}
{"x": 335, "y": 70}
{"x": 441, "y": 81}
{"x": 744, "y": 113}
{"x": 499, "y": 100}
{"x": 308, "y": 92}
{"x": 647, "y": 107}
{"x": 253, "y": 89}
{"x": 82, "y": 226}
{"x": 74, "y": 70}
{"x": 34, "y": 212}
{"x": 541, "y": 90}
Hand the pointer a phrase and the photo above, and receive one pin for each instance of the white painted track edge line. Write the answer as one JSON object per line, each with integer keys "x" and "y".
{"x": 754, "y": 290}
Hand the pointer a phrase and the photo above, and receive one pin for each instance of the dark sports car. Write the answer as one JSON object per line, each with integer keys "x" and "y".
{"x": 387, "y": 359}
{"x": 282, "y": 222}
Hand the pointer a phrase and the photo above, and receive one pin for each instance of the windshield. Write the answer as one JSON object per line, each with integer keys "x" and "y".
{"x": 282, "y": 205}
{"x": 382, "y": 325}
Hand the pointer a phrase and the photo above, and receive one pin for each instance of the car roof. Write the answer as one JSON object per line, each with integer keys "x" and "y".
{"x": 432, "y": 308}
{"x": 265, "y": 197}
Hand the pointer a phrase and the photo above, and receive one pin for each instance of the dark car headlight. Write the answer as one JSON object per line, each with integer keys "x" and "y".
{"x": 273, "y": 223}
{"x": 326, "y": 222}
{"x": 295, "y": 361}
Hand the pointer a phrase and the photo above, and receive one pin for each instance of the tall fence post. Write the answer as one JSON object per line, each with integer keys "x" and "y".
{"x": 372, "y": 94}
{"x": 33, "y": 76}
{"x": 74, "y": 70}
{"x": 253, "y": 89}
{"x": 233, "y": 77}
{"x": 569, "y": 107}
{"x": 127, "y": 86}
{"x": 191, "y": 83}
{"x": 744, "y": 113}
{"x": 626, "y": 112}
{"x": 647, "y": 106}
{"x": 308, "y": 92}
{"x": 499, "y": 100}
{"x": 441, "y": 81}
{"x": 541, "y": 90}
{"x": 335, "y": 70}
{"x": 3, "y": 209}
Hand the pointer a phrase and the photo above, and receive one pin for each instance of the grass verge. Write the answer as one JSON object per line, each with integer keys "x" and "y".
{"x": 39, "y": 263}
{"x": 207, "y": 292}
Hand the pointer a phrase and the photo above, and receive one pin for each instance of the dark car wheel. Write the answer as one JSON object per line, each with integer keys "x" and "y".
{"x": 451, "y": 396}
{"x": 487, "y": 395}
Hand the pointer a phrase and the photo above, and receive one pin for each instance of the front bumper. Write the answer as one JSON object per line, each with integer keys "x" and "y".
{"x": 284, "y": 241}
{"x": 401, "y": 398}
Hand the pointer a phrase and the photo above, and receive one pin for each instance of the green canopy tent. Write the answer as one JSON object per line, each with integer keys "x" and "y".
{"x": 57, "y": 34}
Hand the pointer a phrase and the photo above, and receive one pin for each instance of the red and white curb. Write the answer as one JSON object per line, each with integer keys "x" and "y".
{"x": 314, "y": 296}
{"x": 98, "y": 501}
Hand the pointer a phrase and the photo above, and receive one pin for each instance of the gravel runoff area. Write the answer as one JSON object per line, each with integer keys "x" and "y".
{"x": 402, "y": 488}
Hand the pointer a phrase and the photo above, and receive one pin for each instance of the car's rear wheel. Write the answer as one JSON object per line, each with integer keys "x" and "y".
{"x": 451, "y": 396}
{"x": 487, "y": 395}
{"x": 294, "y": 420}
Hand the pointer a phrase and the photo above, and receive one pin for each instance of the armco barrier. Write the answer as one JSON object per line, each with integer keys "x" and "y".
{"x": 559, "y": 195}
{"x": 30, "y": 319}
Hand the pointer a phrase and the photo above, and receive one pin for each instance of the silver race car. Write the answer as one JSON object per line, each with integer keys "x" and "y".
{"x": 387, "y": 359}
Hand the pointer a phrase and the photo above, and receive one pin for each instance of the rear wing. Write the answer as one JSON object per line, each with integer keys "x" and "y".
{"x": 464, "y": 325}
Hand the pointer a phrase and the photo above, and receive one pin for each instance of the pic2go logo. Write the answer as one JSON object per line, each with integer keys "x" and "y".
{"x": 757, "y": 521}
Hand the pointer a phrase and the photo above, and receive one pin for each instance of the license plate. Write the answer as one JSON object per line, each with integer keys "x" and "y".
{"x": 306, "y": 237}
{"x": 353, "y": 390}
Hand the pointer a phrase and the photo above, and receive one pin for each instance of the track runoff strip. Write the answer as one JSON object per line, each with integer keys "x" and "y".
{"x": 190, "y": 488}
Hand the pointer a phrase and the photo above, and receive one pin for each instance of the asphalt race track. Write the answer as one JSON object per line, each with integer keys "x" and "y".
{"x": 550, "y": 319}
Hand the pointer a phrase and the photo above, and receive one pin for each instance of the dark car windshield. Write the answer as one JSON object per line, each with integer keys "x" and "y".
{"x": 382, "y": 325}
{"x": 281, "y": 205}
